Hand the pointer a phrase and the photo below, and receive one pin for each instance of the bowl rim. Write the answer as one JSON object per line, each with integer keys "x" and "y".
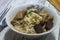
{"x": 33, "y": 34}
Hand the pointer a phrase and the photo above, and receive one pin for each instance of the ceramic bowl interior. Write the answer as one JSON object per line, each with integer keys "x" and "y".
{"x": 12, "y": 13}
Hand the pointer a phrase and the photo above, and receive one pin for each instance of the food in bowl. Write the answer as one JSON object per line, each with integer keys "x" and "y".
{"x": 32, "y": 20}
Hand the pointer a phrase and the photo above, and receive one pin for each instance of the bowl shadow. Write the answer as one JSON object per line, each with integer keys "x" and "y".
{"x": 11, "y": 35}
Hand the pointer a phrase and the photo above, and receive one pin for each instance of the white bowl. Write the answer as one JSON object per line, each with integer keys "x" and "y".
{"x": 11, "y": 14}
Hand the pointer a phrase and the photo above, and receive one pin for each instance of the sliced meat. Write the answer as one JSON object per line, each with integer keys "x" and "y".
{"x": 49, "y": 25}
{"x": 20, "y": 15}
{"x": 38, "y": 27}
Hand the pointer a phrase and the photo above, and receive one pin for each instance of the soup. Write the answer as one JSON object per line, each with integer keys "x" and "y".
{"x": 32, "y": 20}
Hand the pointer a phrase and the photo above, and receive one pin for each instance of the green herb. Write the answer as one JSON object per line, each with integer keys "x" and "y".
{"x": 21, "y": 23}
{"x": 26, "y": 15}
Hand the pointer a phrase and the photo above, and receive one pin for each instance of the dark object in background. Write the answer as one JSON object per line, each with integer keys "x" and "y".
{"x": 3, "y": 25}
{"x": 11, "y": 35}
